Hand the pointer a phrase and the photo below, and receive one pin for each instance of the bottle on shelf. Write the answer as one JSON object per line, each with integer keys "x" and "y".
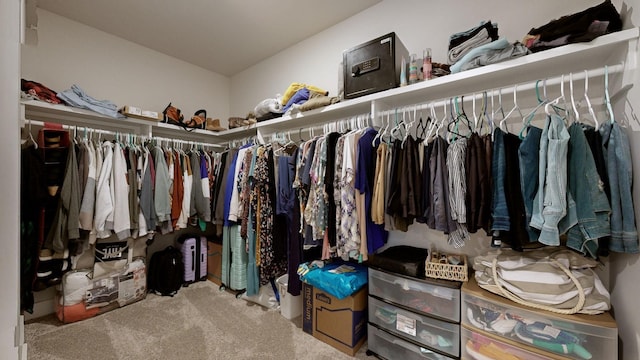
{"x": 413, "y": 69}
{"x": 426, "y": 64}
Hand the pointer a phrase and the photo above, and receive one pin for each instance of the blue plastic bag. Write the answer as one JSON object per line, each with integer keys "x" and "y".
{"x": 338, "y": 279}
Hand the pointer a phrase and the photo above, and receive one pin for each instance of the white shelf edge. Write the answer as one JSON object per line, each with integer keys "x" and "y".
{"x": 325, "y": 114}
{"x": 43, "y": 111}
{"x": 237, "y": 133}
{"x": 67, "y": 115}
{"x": 509, "y": 65}
{"x": 429, "y": 89}
{"x": 346, "y": 108}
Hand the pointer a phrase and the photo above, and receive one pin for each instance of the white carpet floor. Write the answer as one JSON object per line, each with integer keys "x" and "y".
{"x": 200, "y": 322}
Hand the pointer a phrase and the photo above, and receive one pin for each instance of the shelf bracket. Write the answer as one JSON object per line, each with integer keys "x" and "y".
{"x": 377, "y": 107}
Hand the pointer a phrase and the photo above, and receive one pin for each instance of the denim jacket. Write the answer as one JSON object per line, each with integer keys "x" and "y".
{"x": 550, "y": 204}
{"x": 624, "y": 236}
{"x": 499, "y": 210}
{"x": 586, "y": 188}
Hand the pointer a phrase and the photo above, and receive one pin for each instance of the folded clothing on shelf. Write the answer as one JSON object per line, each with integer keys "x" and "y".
{"x": 77, "y": 97}
{"x": 463, "y": 42}
{"x": 583, "y": 26}
{"x": 40, "y": 92}
{"x": 490, "y": 53}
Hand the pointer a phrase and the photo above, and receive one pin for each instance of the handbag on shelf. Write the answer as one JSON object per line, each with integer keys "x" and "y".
{"x": 551, "y": 279}
{"x": 173, "y": 115}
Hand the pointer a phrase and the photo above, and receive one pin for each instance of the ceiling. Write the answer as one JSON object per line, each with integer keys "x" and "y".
{"x": 224, "y": 36}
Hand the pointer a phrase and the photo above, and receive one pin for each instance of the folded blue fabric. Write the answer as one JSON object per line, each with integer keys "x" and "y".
{"x": 299, "y": 97}
{"x": 338, "y": 279}
{"x": 76, "y": 97}
{"x": 494, "y": 45}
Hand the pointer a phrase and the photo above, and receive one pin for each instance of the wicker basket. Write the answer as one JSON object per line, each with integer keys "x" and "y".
{"x": 447, "y": 271}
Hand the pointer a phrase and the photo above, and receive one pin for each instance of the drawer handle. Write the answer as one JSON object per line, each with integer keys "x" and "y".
{"x": 423, "y": 352}
{"x": 440, "y": 292}
{"x": 403, "y": 284}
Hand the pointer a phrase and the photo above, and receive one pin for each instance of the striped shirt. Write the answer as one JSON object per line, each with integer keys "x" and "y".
{"x": 456, "y": 154}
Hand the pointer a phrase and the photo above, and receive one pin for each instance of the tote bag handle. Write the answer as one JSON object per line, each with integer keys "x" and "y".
{"x": 513, "y": 297}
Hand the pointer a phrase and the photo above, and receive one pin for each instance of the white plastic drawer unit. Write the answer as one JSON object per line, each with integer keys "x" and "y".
{"x": 479, "y": 347}
{"x": 429, "y": 332}
{"x": 568, "y": 336}
{"x": 434, "y": 297}
{"x": 391, "y": 347}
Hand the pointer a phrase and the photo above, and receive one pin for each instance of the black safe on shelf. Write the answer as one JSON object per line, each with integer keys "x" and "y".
{"x": 373, "y": 66}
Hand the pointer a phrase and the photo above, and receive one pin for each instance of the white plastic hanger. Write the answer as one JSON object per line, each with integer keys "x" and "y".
{"x": 484, "y": 114}
{"x": 607, "y": 98}
{"x": 475, "y": 116}
{"x": 499, "y": 109}
{"x": 515, "y": 108}
{"x": 433, "y": 126}
{"x": 445, "y": 117}
{"x": 556, "y": 101}
{"x": 586, "y": 99}
{"x": 410, "y": 125}
{"x": 30, "y": 138}
{"x": 573, "y": 100}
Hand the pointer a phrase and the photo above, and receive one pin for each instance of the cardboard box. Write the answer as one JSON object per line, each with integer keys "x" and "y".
{"x": 135, "y": 112}
{"x": 214, "y": 263}
{"x": 339, "y": 323}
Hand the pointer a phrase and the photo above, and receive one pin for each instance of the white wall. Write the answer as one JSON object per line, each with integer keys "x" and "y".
{"x": 108, "y": 67}
{"x": 421, "y": 24}
{"x": 10, "y": 165}
{"x": 111, "y": 68}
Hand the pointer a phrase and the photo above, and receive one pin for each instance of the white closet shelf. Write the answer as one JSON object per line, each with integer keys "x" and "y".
{"x": 175, "y": 132}
{"x": 545, "y": 64}
{"x": 67, "y": 115}
{"x": 237, "y": 133}
{"x": 303, "y": 120}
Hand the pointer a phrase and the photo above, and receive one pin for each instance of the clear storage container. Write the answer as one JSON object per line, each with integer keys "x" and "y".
{"x": 570, "y": 336}
{"x": 475, "y": 346}
{"x": 439, "y": 298}
{"x": 429, "y": 332}
{"x": 388, "y": 346}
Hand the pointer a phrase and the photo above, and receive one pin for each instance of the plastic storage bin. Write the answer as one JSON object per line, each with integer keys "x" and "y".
{"x": 439, "y": 298}
{"x": 569, "y": 336}
{"x": 429, "y": 332}
{"x": 388, "y": 346}
{"x": 475, "y": 346}
{"x": 290, "y": 306}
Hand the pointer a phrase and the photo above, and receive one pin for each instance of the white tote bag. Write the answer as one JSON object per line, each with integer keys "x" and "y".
{"x": 552, "y": 279}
